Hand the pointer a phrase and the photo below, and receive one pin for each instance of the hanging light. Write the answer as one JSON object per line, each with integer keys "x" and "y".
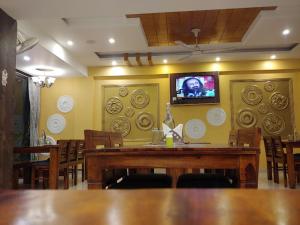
{"x": 43, "y": 81}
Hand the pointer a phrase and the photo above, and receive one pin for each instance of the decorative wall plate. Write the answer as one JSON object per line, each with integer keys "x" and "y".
{"x": 273, "y": 123}
{"x": 246, "y": 118}
{"x": 263, "y": 108}
{"x": 65, "y": 103}
{"x": 144, "y": 121}
{"x": 252, "y": 95}
{"x": 216, "y": 116}
{"x": 139, "y": 99}
{"x": 195, "y": 128}
{"x": 129, "y": 112}
{"x": 279, "y": 101}
{"x": 114, "y": 105}
{"x": 269, "y": 86}
{"x": 56, "y": 123}
{"x": 121, "y": 124}
{"x": 123, "y": 91}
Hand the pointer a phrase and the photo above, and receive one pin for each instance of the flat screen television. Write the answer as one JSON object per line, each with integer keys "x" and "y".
{"x": 194, "y": 88}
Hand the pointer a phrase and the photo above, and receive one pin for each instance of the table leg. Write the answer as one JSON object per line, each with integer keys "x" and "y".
{"x": 248, "y": 172}
{"x": 175, "y": 173}
{"x": 54, "y": 168}
{"x": 94, "y": 173}
{"x": 290, "y": 165}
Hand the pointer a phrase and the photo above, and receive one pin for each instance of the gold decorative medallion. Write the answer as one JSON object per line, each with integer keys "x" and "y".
{"x": 121, "y": 124}
{"x": 144, "y": 121}
{"x": 129, "y": 112}
{"x": 279, "y": 101}
{"x": 139, "y": 99}
{"x": 114, "y": 105}
{"x": 246, "y": 118}
{"x": 269, "y": 86}
{"x": 252, "y": 95}
{"x": 123, "y": 91}
{"x": 273, "y": 123}
{"x": 263, "y": 108}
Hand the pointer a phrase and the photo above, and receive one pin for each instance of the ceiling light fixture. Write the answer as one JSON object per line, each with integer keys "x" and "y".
{"x": 70, "y": 43}
{"x": 273, "y": 57}
{"x": 111, "y": 40}
{"x": 286, "y": 32}
{"x": 165, "y": 61}
{"x": 218, "y": 59}
{"x": 26, "y": 58}
{"x": 114, "y": 63}
{"x": 43, "y": 81}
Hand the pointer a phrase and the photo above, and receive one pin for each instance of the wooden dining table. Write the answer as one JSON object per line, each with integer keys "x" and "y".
{"x": 290, "y": 145}
{"x": 149, "y": 207}
{"x": 196, "y": 156}
{"x": 54, "y": 160}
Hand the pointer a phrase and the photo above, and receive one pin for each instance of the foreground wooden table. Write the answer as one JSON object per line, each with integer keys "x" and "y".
{"x": 54, "y": 160}
{"x": 143, "y": 207}
{"x": 290, "y": 145}
{"x": 243, "y": 159}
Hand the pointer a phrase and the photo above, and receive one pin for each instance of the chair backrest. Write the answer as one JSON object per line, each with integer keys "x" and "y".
{"x": 249, "y": 137}
{"x": 94, "y": 138}
{"x": 72, "y": 153}
{"x": 63, "y": 151}
{"x": 278, "y": 151}
{"x": 80, "y": 147}
{"x": 232, "y": 139}
{"x": 115, "y": 138}
{"x": 269, "y": 147}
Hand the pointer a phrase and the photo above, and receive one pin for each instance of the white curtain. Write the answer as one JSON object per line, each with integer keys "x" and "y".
{"x": 34, "y": 99}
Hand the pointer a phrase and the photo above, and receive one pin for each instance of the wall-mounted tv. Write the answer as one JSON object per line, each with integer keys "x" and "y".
{"x": 194, "y": 88}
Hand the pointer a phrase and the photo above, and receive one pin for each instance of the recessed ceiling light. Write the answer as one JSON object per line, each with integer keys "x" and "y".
{"x": 218, "y": 59}
{"x": 165, "y": 61}
{"x": 273, "y": 57}
{"x": 114, "y": 63}
{"x": 26, "y": 58}
{"x": 112, "y": 40}
{"x": 70, "y": 43}
{"x": 286, "y": 32}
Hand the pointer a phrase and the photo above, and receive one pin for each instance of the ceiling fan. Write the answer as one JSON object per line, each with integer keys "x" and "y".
{"x": 25, "y": 44}
{"x": 196, "y": 49}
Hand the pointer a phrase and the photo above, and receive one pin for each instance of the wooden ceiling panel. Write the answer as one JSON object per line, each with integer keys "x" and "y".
{"x": 217, "y": 26}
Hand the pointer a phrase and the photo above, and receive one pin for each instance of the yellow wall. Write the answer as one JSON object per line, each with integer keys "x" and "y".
{"x": 87, "y": 93}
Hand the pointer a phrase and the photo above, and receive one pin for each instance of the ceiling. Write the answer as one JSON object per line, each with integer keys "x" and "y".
{"x": 89, "y": 24}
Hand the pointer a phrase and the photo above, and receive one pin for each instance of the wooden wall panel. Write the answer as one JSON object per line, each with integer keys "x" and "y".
{"x": 8, "y": 36}
{"x": 217, "y": 26}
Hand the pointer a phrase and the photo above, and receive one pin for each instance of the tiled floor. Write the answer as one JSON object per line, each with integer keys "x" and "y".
{"x": 263, "y": 183}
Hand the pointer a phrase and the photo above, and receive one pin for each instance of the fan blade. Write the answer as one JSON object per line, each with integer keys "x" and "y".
{"x": 184, "y": 45}
{"x": 185, "y": 57}
{"x": 223, "y": 50}
{"x": 27, "y": 45}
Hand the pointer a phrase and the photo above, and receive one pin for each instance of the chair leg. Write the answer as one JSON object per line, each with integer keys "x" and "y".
{"x": 33, "y": 174}
{"x": 75, "y": 174}
{"x": 284, "y": 175}
{"x": 276, "y": 175}
{"x": 83, "y": 171}
{"x": 66, "y": 178}
{"x": 269, "y": 170}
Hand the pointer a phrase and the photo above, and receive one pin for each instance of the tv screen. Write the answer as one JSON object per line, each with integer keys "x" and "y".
{"x": 194, "y": 88}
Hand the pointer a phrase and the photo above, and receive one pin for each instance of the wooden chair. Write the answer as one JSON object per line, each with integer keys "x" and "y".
{"x": 268, "y": 142}
{"x": 72, "y": 160}
{"x": 93, "y": 139}
{"x": 41, "y": 169}
{"x": 80, "y": 157}
{"x": 249, "y": 137}
{"x": 232, "y": 139}
{"x": 279, "y": 157}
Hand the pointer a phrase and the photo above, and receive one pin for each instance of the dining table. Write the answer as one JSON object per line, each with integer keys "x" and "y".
{"x": 244, "y": 159}
{"x": 151, "y": 206}
{"x": 53, "y": 151}
{"x": 290, "y": 145}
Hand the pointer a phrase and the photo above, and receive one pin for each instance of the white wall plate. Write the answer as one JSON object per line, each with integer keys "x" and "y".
{"x": 56, "y": 123}
{"x": 65, "y": 103}
{"x": 216, "y": 116}
{"x": 195, "y": 128}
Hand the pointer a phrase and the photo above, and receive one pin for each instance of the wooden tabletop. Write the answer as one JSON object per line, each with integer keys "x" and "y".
{"x": 143, "y": 207}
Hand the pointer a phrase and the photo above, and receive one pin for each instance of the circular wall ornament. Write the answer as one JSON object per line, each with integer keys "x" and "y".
{"x": 273, "y": 123}
{"x": 263, "y": 108}
{"x": 121, "y": 124}
{"x": 246, "y": 118}
{"x": 123, "y": 91}
{"x": 114, "y": 105}
{"x": 216, "y": 116}
{"x": 129, "y": 112}
{"x": 65, "y": 103}
{"x": 144, "y": 121}
{"x": 252, "y": 95}
{"x": 269, "y": 86}
{"x": 279, "y": 101}
{"x": 195, "y": 128}
{"x": 56, "y": 123}
{"x": 139, "y": 99}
